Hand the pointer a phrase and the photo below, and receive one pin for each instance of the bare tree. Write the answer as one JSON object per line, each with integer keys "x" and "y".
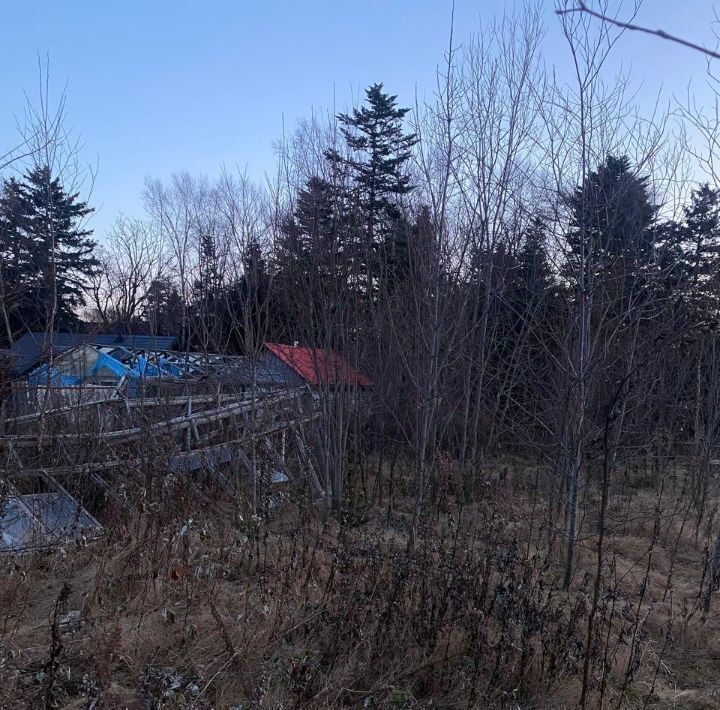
{"x": 131, "y": 259}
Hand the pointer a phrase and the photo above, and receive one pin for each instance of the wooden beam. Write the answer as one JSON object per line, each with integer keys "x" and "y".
{"x": 180, "y": 423}
{"x": 93, "y": 466}
{"x": 135, "y": 403}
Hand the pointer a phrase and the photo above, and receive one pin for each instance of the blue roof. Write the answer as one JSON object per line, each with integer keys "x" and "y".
{"x": 31, "y": 348}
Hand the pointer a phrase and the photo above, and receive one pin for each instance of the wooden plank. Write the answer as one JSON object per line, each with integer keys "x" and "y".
{"x": 180, "y": 423}
{"x": 135, "y": 403}
{"x": 90, "y": 467}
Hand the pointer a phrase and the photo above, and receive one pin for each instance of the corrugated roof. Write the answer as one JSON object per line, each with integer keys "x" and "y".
{"x": 318, "y": 366}
{"x": 31, "y": 348}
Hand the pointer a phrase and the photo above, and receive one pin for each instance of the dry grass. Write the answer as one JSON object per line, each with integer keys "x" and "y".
{"x": 190, "y": 605}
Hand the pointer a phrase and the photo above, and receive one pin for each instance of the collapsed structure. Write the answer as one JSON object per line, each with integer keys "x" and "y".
{"x": 86, "y": 416}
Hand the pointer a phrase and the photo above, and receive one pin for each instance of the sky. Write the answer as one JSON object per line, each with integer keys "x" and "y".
{"x": 163, "y": 86}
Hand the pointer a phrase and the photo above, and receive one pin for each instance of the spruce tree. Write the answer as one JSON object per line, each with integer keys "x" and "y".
{"x": 254, "y": 293}
{"x": 612, "y": 221}
{"x": 535, "y": 272}
{"x": 530, "y": 305}
{"x": 376, "y": 167}
{"x": 163, "y": 308}
{"x": 312, "y": 254}
{"x": 15, "y": 260}
{"x": 253, "y": 261}
{"x": 208, "y": 266}
{"x": 691, "y": 255}
{"x": 700, "y": 235}
{"x": 60, "y": 250}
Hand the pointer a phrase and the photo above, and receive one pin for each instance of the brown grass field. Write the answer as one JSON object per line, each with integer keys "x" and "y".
{"x": 191, "y": 604}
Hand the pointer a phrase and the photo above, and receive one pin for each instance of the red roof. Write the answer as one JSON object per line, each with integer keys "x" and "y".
{"x": 317, "y": 366}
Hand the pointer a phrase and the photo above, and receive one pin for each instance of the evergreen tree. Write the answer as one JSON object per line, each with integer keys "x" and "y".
{"x": 313, "y": 259}
{"x": 691, "y": 255}
{"x": 209, "y": 280}
{"x": 15, "y": 259}
{"x": 254, "y": 262}
{"x": 534, "y": 270}
{"x": 376, "y": 167}
{"x": 208, "y": 306}
{"x": 531, "y": 315}
{"x": 313, "y": 244}
{"x": 612, "y": 222}
{"x": 254, "y": 293}
{"x": 404, "y": 245}
{"x": 531, "y": 295}
{"x": 324, "y": 221}
{"x": 700, "y": 235}
{"x": 409, "y": 258}
{"x": 60, "y": 250}
{"x": 162, "y": 308}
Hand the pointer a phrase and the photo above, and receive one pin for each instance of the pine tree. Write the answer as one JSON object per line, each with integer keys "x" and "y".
{"x": 15, "y": 259}
{"x": 311, "y": 258}
{"x": 376, "y": 167}
{"x": 60, "y": 250}
{"x": 162, "y": 308}
{"x": 612, "y": 221}
{"x": 691, "y": 255}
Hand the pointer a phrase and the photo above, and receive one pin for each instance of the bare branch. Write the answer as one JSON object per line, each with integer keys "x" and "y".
{"x": 582, "y": 7}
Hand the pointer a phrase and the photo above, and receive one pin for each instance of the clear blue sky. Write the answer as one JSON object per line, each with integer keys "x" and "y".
{"x": 160, "y": 86}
